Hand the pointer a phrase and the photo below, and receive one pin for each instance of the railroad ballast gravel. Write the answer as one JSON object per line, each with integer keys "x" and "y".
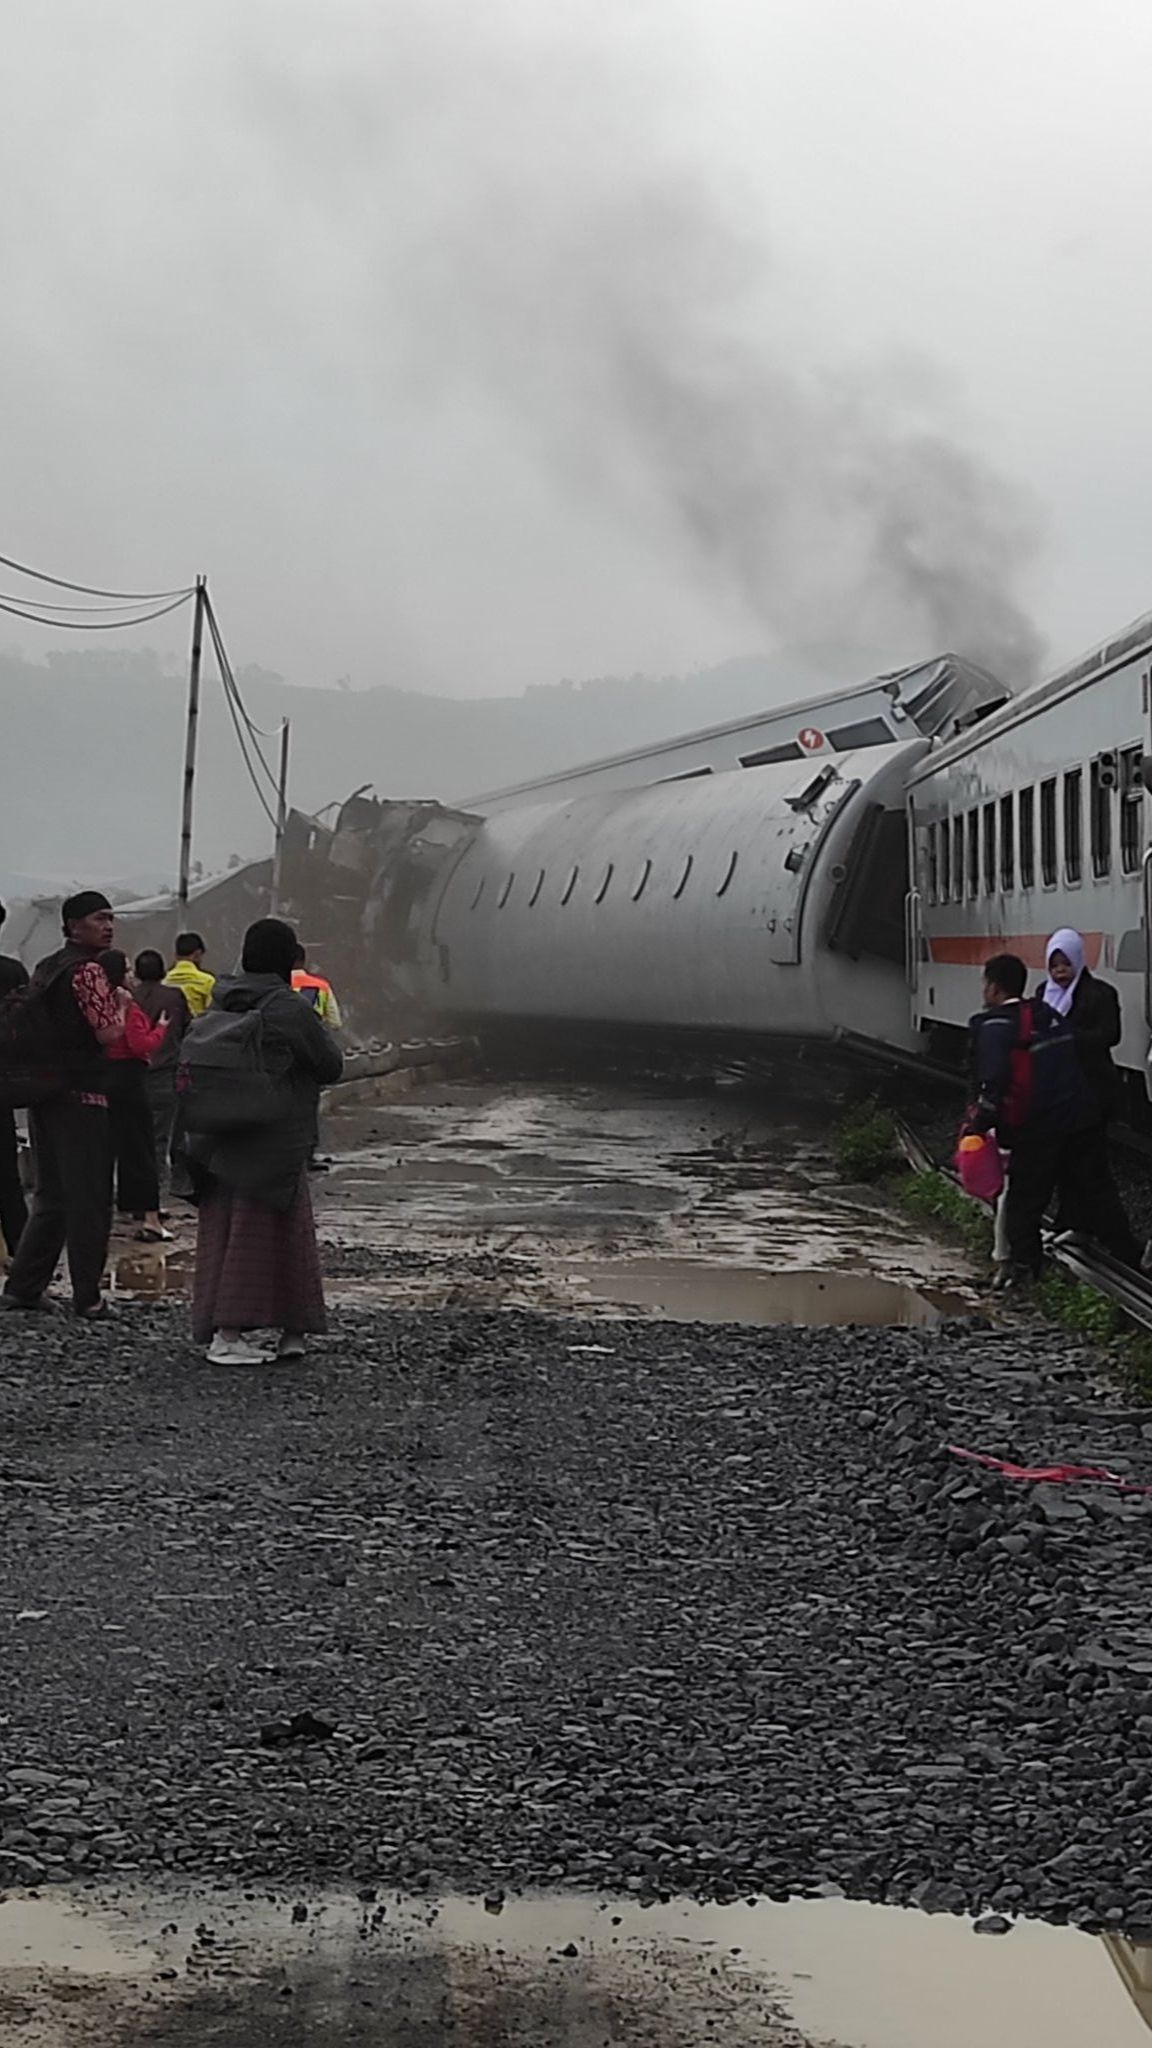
{"x": 490, "y": 1600}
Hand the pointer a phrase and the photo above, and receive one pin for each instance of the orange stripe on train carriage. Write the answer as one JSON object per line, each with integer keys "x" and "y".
{"x": 1031, "y": 947}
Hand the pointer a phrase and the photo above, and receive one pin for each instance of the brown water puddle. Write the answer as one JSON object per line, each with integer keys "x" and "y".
{"x": 687, "y": 1291}
{"x": 555, "y": 1971}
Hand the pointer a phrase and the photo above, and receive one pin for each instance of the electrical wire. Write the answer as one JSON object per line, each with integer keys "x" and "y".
{"x": 228, "y": 675}
{"x": 94, "y": 625}
{"x": 90, "y": 589}
{"x": 51, "y": 604}
{"x": 236, "y": 702}
{"x": 235, "y": 707}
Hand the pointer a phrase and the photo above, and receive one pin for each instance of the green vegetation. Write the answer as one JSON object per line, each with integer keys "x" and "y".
{"x": 864, "y": 1143}
{"x": 932, "y": 1198}
{"x": 1068, "y": 1303}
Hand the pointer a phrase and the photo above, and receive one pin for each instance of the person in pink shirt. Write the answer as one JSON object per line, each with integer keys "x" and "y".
{"x": 129, "y": 1110}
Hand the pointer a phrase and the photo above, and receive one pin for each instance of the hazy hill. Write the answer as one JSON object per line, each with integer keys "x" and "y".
{"x": 91, "y": 747}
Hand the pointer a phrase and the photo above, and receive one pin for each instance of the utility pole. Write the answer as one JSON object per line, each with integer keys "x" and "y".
{"x": 281, "y": 821}
{"x": 190, "y": 746}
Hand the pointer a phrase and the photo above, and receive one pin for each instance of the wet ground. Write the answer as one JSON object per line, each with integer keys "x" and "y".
{"x": 717, "y": 1207}
{"x": 604, "y": 1619}
{"x": 550, "y": 1972}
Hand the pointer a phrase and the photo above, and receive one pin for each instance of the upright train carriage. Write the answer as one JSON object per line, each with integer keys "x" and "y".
{"x": 1036, "y": 818}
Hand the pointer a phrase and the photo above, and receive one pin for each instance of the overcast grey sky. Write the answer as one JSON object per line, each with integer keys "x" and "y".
{"x": 470, "y": 343}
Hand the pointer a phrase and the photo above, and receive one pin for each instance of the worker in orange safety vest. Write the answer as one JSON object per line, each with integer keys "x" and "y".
{"x": 317, "y": 991}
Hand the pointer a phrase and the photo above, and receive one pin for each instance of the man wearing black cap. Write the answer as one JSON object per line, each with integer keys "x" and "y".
{"x": 72, "y": 1204}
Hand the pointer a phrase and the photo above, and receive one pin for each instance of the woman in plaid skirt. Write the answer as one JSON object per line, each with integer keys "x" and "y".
{"x": 257, "y": 1291}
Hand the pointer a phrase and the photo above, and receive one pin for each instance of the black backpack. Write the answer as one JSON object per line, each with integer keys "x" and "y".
{"x": 223, "y": 1080}
{"x": 33, "y": 1066}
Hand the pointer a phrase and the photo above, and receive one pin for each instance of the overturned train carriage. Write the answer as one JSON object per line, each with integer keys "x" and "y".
{"x": 745, "y": 903}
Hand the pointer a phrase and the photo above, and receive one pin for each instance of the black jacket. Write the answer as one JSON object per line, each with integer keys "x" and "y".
{"x": 1095, "y": 1020}
{"x": 266, "y": 1162}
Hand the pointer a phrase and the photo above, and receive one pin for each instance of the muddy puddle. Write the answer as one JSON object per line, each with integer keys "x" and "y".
{"x": 599, "y": 1200}
{"x": 687, "y": 1291}
{"x": 550, "y": 1972}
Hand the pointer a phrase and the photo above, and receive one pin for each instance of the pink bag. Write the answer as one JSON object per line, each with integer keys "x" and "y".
{"x": 980, "y": 1166}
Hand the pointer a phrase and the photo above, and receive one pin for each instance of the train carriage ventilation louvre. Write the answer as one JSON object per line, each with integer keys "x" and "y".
{"x": 729, "y": 871}
{"x": 1103, "y": 775}
{"x": 1027, "y": 822}
{"x": 682, "y": 884}
{"x": 1007, "y": 844}
{"x": 1073, "y": 826}
{"x": 1048, "y": 853}
{"x": 606, "y": 884}
{"x": 641, "y": 882}
{"x": 570, "y": 884}
{"x": 537, "y": 885}
{"x": 1131, "y": 811}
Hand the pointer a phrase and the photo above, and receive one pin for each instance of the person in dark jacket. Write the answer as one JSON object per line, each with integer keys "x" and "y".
{"x": 1089, "y": 1203}
{"x": 257, "y": 1264}
{"x": 72, "y": 1156}
{"x": 157, "y": 998}
{"x": 13, "y": 1208}
{"x": 129, "y": 1114}
{"x": 1031, "y": 1090}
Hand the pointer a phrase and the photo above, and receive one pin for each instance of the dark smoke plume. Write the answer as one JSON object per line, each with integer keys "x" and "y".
{"x": 542, "y": 241}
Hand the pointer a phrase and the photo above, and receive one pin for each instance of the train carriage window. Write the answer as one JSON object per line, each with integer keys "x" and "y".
{"x": 945, "y": 862}
{"x": 1101, "y": 783}
{"x": 1007, "y": 844}
{"x": 973, "y": 853}
{"x": 1048, "y": 833}
{"x": 1073, "y": 825}
{"x": 1131, "y": 811}
{"x": 931, "y": 871}
{"x": 1027, "y": 835}
{"x": 958, "y": 859}
{"x": 989, "y": 849}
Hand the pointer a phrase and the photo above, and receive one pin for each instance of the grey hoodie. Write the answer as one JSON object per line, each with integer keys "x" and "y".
{"x": 266, "y": 1162}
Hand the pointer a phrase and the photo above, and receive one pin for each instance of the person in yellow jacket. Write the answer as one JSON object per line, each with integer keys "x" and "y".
{"x": 188, "y": 973}
{"x": 317, "y": 990}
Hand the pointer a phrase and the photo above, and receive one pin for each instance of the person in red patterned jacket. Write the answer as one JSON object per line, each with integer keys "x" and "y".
{"x": 129, "y": 1109}
{"x": 72, "y": 1204}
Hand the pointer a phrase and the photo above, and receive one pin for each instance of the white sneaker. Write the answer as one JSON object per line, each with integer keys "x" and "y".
{"x": 232, "y": 1347}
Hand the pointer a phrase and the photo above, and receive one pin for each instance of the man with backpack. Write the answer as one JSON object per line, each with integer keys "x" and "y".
{"x": 1030, "y": 1089}
{"x": 53, "y": 1037}
{"x": 13, "y": 1209}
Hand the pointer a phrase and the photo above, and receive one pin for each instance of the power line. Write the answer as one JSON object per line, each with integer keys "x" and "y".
{"x": 54, "y": 605}
{"x": 228, "y": 676}
{"x": 94, "y": 625}
{"x": 90, "y": 589}
{"x": 233, "y": 700}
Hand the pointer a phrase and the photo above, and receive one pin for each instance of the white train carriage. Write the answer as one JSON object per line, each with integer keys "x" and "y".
{"x": 1034, "y": 819}
{"x": 767, "y": 902}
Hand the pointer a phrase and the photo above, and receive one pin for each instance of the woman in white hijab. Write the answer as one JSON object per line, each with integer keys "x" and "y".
{"x": 1089, "y": 1203}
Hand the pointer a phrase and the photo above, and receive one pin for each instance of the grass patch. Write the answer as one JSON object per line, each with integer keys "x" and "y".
{"x": 864, "y": 1143}
{"x": 1069, "y": 1304}
{"x": 932, "y": 1198}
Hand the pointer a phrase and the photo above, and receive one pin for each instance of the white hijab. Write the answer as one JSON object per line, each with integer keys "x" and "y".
{"x": 1071, "y": 945}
